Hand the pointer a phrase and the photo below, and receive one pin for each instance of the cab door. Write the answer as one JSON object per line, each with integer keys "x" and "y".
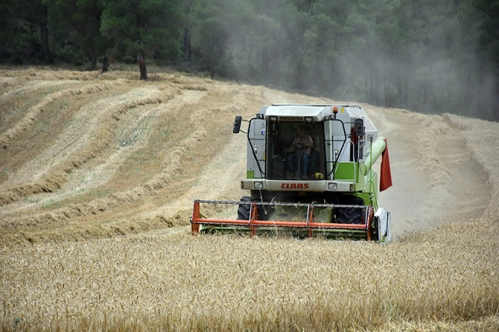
{"x": 257, "y": 133}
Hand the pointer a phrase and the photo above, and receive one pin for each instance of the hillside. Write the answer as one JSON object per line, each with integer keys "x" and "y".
{"x": 104, "y": 168}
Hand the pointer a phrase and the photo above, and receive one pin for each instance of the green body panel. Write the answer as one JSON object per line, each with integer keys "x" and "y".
{"x": 366, "y": 197}
{"x": 346, "y": 171}
{"x": 371, "y": 183}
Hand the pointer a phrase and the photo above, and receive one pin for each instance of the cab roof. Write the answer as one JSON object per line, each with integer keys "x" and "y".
{"x": 299, "y": 111}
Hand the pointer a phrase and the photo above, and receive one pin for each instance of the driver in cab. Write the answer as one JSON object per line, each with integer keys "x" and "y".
{"x": 300, "y": 152}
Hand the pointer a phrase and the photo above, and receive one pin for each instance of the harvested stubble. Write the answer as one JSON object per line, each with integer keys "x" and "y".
{"x": 229, "y": 282}
{"x": 72, "y": 277}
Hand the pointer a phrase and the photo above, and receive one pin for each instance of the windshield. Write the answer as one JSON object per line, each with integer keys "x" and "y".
{"x": 295, "y": 150}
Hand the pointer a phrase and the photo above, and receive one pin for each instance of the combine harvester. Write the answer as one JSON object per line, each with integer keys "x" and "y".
{"x": 309, "y": 170}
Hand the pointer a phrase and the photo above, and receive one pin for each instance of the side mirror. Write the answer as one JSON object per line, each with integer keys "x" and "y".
{"x": 359, "y": 127}
{"x": 237, "y": 124}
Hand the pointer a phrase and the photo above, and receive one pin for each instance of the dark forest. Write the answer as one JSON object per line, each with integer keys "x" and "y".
{"x": 423, "y": 55}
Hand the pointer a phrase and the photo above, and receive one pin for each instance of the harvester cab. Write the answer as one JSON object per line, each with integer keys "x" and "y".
{"x": 310, "y": 170}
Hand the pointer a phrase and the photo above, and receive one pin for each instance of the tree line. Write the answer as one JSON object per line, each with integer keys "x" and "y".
{"x": 424, "y": 55}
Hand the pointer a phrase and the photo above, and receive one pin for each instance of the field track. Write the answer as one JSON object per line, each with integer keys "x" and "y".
{"x": 97, "y": 177}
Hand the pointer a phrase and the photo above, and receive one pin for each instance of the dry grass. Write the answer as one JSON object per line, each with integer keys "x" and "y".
{"x": 233, "y": 283}
{"x": 106, "y": 247}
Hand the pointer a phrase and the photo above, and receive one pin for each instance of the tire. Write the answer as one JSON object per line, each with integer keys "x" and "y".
{"x": 350, "y": 215}
{"x": 243, "y": 212}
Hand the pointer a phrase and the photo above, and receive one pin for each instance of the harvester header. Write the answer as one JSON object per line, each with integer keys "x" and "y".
{"x": 310, "y": 170}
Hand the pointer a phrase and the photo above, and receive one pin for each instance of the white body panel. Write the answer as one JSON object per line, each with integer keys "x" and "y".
{"x": 257, "y": 147}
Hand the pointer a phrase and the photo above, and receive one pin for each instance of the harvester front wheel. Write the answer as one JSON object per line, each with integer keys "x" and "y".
{"x": 243, "y": 212}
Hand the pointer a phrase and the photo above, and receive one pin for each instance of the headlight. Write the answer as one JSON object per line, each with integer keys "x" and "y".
{"x": 258, "y": 185}
{"x": 333, "y": 186}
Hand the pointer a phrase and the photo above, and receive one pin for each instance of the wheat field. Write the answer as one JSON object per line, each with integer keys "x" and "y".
{"x": 97, "y": 178}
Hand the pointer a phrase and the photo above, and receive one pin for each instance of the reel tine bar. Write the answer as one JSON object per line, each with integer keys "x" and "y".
{"x": 253, "y": 223}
